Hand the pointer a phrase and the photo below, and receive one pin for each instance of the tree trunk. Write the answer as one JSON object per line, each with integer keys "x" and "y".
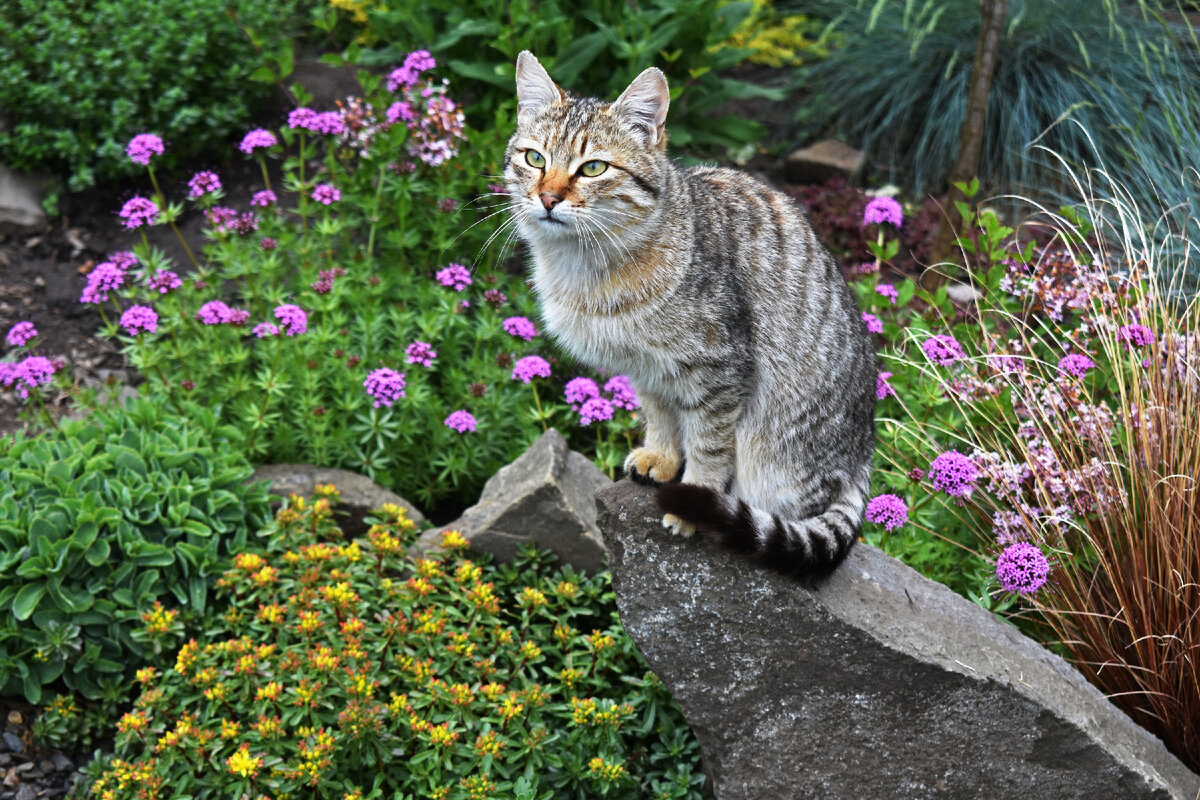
{"x": 974, "y": 127}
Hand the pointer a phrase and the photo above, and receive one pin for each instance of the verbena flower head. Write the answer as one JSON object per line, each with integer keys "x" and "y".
{"x": 406, "y": 76}
{"x": 137, "y": 319}
{"x": 301, "y": 118}
{"x": 214, "y": 312}
{"x": 882, "y": 387}
{"x": 873, "y": 323}
{"x": 143, "y": 147}
{"x": 123, "y": 259}
{"x": 580, "y": 390}
{"x": 495, "y": 298}
{"x": 329, "y": 123}
{"x": 461, "y": 421}
{"x": 531, "y": 367}
{"x": 1076, "y": 364}
{"x": 326, "y": 193}
{"x": 887, "y": 290}
{"x": 620, "y": 388}
{"x": 597, "y": 409}
{"x": 1022, "y": 568}
{"x": 888, "y": 510}
{"x": 33, "y": 372}
{"x": 942, "y": 349}
{"x": 104, "y": 278}
{"x": 164, "y": 281}
{"x": 21, "y": 333}
{"x": 265, "y": 330}
{"x": 292, "y": 319}
{"x": 1135, "y": 335}
{"x": 520, "y": 327}
{"x": 420, "y": 353}
{"x": 203, "y": 183}
{"x": 263, "y": 199}
{"x": 456, "y": 276}
{"x": 953, "y": 473}
{"x": 385, "y": 385}
{"x": 883, "y": 209}
{"x": 222, "y": 218}
{"x": 401, "y": 111}
{"x": 257, "y": 139}
{"x": 138, "y": 211}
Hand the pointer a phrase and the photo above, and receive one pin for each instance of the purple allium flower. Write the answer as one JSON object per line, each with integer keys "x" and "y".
{"x": 326, "y": 193}
{"x": 531, "y": 367}
{"x": 164, "y": 281}
{"x": 942, "y": 349}
{"x": 873, "y": 323}
{"x": 401, "y": 112}
{"x": 521, "y": 327}
{"x": 883, "y": 209}
{"x": 1135, "y": 335}
{"x": 203, "y": 183}
{"x": 620, "y": 388}
{"x": 1022, "y": 567}
{"x": 104, "y": 278}
{"x": 138, "y": 211}
{"x": 420, "y": 353}
{"x": 301, "y": 117}
{"x": 263, "y": 199}
{"x": 888, "y": 291}
{"x": 455, "y": 275}
{"x": 882, "y": 387}
{"x": 406, "y": 76}
{"x": 21, "y": 333}
{"x": 887, "y": 510}
{"x": 259, "y": 137}
{"x": 495, "y": 298}
{"x": 292, "y": 319}
{"x": 579, "y": 390}
{"x": 461, "y": 421}
{"x": 214, "y": 312}
{"x": 385, "y": 385}
{"x": 953, "y": 473}
{"x": 33, "y": 372}
{"x": 142, "y": 147}
{"x": 1076, "y": 364}
{"x": 597, "y": 409}
{"x": 264, "y": 330}
{"x": 139, "y": 318}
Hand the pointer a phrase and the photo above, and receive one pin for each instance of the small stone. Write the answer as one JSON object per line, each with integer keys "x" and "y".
{"x": 46, "y": 766}
{"x": 963, "y": 293}
{"x": 823, "y": 160}
{"x": 26, "y": 792}
{"x": 5, "y": 759}
{"x": 13, "y": 742}
{"x": 15, "y": 718}
{"x": 62, "y": 763}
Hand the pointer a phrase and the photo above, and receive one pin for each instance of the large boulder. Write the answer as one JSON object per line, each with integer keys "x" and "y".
{"x": 359, "y": 494}
{"x": 878, "y": 683}
{"x": 545, "y": 496}
{"x": 20, "y": 202}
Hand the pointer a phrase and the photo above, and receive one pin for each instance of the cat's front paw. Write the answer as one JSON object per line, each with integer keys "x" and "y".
{"x": 678, "y": 526}
{"x": 652, "y": 466}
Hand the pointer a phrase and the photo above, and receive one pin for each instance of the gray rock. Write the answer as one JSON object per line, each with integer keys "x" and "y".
{"x": 545, "y": 496}
{"x": 26, "y": 792}
{"x": 963, "y": 293}
{"x": 823, "y": 160}
{"x": 20, "y": 202}
{"x": 359, "y": 494}
{"x": 876, "y": 684}
{"x": 13, "y": 742}
{"x": 62, "y": 763}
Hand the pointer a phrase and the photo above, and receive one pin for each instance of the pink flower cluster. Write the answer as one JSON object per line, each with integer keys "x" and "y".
{"x": 530, "y": 367}
{"x": 888, "y": 510}
{"x": 420, "y": 353}
{"x": 142, "y": 147}
{"x": 585, "y": 399}
{"x": 883, "y": 209}
{"x": 461, "y": 421}
{"x": 105, "y": 277}
{"x": 385, "y": 385}
{"x": 203, "y": 183}
{"x": 520, "y": 327}
{"x": 257, "y": 139}
{"x": 27, "y": 374}
{"x": 21, "y": 333}
{"x": 456, "y": 276}
{"x": 138, "y": 211}
{"x": 216, "y": 312}
{"x": 292, "y": 319}
{"x": 138, "y": 319}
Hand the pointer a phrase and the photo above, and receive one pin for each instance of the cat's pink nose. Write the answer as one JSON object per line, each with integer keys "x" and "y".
{"x": 549, "y": 200}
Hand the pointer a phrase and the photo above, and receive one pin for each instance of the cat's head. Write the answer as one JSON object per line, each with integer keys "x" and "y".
{"x": 580, "y": 168}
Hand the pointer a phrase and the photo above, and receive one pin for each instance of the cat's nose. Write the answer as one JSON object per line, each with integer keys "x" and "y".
{"x": 549, "y": 200}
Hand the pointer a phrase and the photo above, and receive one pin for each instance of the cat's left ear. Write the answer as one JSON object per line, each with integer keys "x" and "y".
{"x": 644, "y": 104}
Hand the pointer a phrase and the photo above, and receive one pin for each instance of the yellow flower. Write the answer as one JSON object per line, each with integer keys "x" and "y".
{"x": 242, "y": 763}
{"x": 383, "y": 541}
{"x": 265, "y": 575}
{"x": 158, "y": 620}
{"x": 468, "y": 572}
{"x": 566, "y": 590}
{"x": 420, "y": 587}
{"x": 230, "y": 728}
{"x": 600, "y": 641}
{"x": 248, "y": 562}
{"x": 488, "y": 744}
{"x": 453, "y": 541}
{"x": 310, "y": 621}
{"x": 186, "y": 657}
{"x": 606, "y": 770}
{"x": 460, "y": 694}
{"x": 531, "y": 598}
{"x": 564, "y": 632}
{"x": 510, "y": 707}
{"x": 326, "y": 490}
{"x": 133, "y": 721}
{"x": 492, "y": 690}
{"x": 530, "y": 650}
{"x": 442, "y": 736}
{"x": 268, "y": 692}
{"x": 145, "y": 674}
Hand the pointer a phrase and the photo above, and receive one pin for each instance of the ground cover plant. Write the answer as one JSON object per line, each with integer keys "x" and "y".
{"x": 354, "y": 669}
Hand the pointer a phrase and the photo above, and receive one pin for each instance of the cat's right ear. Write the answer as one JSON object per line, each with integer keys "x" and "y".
{"x": 535, "y": 90}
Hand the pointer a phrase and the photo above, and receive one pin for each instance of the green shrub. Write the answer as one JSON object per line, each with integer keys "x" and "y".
{"x": 79, "y": 79}
{"x": 350, "y": 670}
{"x": 97, "y": 521}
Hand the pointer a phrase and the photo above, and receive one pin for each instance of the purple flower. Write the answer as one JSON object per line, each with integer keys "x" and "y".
{"x": 31, "y": 373}
{"x": 385, "y": 385}
{"x": 530, "y": 367}
{"x": 138, "y": 211}
{"x": 264, "y": 330}
{"x": 461, "y": 421}
{"x": 1008, "y": 363}
{"x": 620, "y": 388}
{"x": 214, "y": 312}
{"x": 21, "y": 333}
{"x": 263, "y": 199}
{"x": 123, "y": 259}
{"x": 579, "y": 390}
{"x": 10, "y": 373}
{"x": 495, "y": 298}
{"x": 1076, "y": 364}
{"x": 953, "y": 473}
{"x": 104, "y": 278}
{"x": 888, "y": 291}
{"x": 292, "y": 319}
{"x": 139, "y": 318}
{"x": 301, "y": 117}
{"x": 401, "y": 112}
{"x": 1022, "y": 567}
{"x": 203, "y": 183}
{"x": 259, "y": 137}
{"x": 326, "y": 193}
{"x": 455, "y": 275}
{"x": 325, "y": 279}
{"x": 420, "y": 353}
{"x": 268, "y": 243}
{"x": 142, "y": 147}
{"x": 1135, "y": 335}
{"x": 887, "y": 510}
{"x": 873, "y": 323}
{"x": 406, "y": 76}
{"x": 238, "y": 316}
{"x": 520, "y": 326}
{"x": 245, "y": 224}
{"x": 942, "y": 349}
{"x": 597, "y": 409}
{"x": 329, "y": 123}
{"x": 882, "y": 387}
{"x": 221, "y": 218}
{"x": 883, "y": 209}
{"x": 164, "y": 281}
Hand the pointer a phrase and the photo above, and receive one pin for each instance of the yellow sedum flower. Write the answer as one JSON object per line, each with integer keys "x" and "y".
{"x": 242, "y": 763}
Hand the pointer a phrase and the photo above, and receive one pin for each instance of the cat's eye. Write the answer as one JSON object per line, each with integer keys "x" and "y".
{"x": 593, "y": 168}
{"x": 535, "y": 159}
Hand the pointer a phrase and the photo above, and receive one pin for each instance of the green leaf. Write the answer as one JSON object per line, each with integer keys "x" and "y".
{"x": 27, "y": 600}
{"x": 97, "y": 554}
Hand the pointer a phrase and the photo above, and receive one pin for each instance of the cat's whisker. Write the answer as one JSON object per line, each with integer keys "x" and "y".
{"x": 470, "y": 227}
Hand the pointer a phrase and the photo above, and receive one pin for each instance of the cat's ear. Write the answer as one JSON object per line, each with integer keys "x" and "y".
{"x": 535, "y": 90}
{"x": 644, "y": 104}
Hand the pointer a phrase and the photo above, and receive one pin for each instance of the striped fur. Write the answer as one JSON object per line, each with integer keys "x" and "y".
{"x": 709, "y": 289}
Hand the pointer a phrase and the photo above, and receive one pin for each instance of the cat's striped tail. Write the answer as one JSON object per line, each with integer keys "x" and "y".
{"x": 804, "y": 548}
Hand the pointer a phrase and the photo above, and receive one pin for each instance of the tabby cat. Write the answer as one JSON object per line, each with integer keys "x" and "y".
{"x": 709, "y": 289}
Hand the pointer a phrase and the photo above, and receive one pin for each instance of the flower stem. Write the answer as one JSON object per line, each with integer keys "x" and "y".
{"x": 538, "y": 403}
{"x": 262, "y": 162}
{"x": 375, "y": 213}
{"x": 162, "y": 204}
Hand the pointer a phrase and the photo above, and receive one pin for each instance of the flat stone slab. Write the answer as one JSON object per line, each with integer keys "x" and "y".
{"x": 823, "y": 160}
{"x": 878, "y": 683}
{"x": 359, "y": 494}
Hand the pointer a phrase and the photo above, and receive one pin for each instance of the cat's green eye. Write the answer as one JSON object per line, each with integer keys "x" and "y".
{"x": 593, "y": 168}
{"x": 535, "y": 159}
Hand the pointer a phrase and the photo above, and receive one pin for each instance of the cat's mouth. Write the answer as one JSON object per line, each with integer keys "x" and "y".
{"x": 550, "y": 218}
